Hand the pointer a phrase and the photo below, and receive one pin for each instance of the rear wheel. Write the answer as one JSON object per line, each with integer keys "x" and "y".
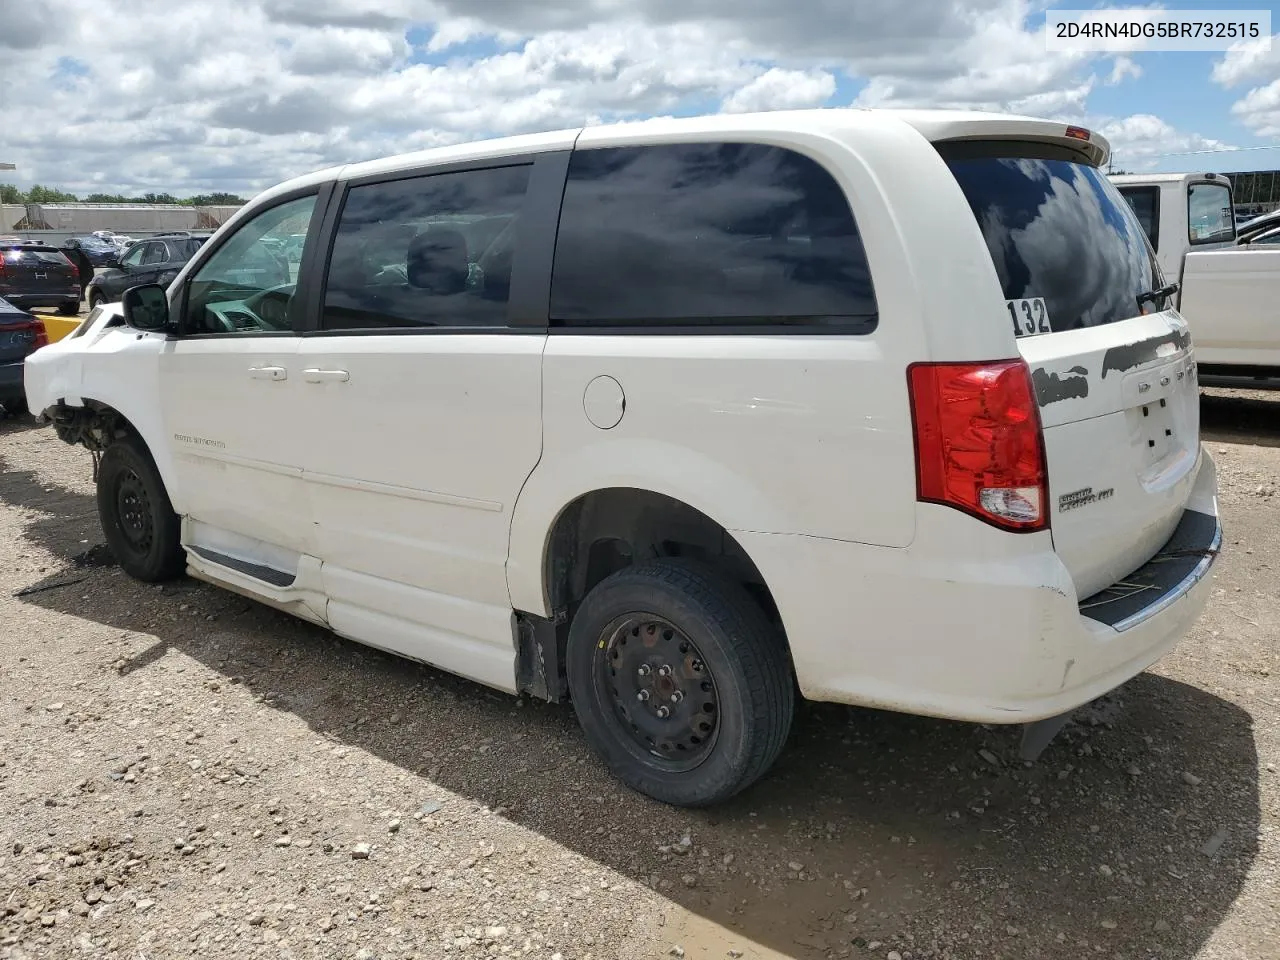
{"x": 681, "y": 684}
{"x": 138, "y": 520}
{"x": 69, "y": 309}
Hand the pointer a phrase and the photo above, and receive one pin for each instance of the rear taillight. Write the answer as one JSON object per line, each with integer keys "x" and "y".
{"x": 1, "y": 264}
{"x": 41, "y": 334}
{"x": 979, "y": 447}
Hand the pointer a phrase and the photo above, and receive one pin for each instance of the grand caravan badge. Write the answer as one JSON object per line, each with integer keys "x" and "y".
{"x": 1083, "y": 497}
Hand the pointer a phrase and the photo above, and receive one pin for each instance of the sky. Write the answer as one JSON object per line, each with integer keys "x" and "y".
{"x": 131, "y": 96}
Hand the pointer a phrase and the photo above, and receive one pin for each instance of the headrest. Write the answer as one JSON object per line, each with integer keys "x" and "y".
{"x": 437, "y": 262}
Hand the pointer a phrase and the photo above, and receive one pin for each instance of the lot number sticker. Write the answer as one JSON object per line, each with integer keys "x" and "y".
{"x": 1030, "y": 316}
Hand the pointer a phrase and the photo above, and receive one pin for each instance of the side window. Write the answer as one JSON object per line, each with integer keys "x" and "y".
{"x": 708, "y": 234}
{"x": 134, "y": 257}
{"x": 1209, "y": 213}
{"x": 1146, "y": 207}
{"x": 247, "y": 286}
{"x": 429, "y": 251}
{"x": 153, "y": 252}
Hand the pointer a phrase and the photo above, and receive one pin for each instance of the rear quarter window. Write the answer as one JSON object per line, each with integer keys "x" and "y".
{"x": 1145, "y": 203}
{"x": 1069, "y": 251}
{"x": 708, "y": 235}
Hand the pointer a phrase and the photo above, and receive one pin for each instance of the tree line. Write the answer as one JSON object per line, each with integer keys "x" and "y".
{"x": 38, "y": 194}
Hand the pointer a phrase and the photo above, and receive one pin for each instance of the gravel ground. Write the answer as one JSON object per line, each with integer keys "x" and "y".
{"x": 186, "y": 773}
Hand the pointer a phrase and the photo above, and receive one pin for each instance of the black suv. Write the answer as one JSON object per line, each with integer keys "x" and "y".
{"x": 152, "y": 260}
{"x": 35, "y": 275}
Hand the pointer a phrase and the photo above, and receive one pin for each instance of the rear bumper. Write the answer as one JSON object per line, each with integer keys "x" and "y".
{"x": 25, "y": 300}
{"x": 969, "y": 623}
{"x": 11, "y": 381}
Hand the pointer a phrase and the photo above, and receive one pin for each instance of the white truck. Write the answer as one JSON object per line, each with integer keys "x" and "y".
{"x": 1228, "y": 292}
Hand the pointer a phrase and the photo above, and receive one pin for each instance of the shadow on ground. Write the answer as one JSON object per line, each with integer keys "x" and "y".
{"x": 1236, "y": 419}
{"x": 1102, "y": 841}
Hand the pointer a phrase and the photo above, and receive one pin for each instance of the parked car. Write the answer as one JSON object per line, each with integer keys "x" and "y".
{"x": 1255, "y": 227}
{"x": 678, "y": 419}
{"x": 1262, "y": 237}
{"x": 1227, "y": 291}
{"x": 21, "y": 333}
{"x": 36, "y": 275}
{"x": 154, "y": 260}
{"x": 101, "y": 253}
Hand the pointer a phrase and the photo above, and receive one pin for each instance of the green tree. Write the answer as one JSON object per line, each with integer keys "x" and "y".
{"x": 106, "y": 198}
{"x": 11, "y": 194}
{"x": 39, "y": 194}
{"x": 215, "y": 199}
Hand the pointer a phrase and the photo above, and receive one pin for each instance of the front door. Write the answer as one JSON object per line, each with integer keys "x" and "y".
{"x": 423, "y": 415}
{"x": 230, "y": 389}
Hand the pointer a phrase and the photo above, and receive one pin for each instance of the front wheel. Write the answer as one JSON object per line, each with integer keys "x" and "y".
{"x": 95, "y": 300}
{"x": 138, "y": 520}
{"x": 69, "y": 309}
{"x": 680, "y": 683}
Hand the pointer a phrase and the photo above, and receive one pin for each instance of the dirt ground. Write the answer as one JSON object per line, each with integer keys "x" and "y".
{"x": 186, "y": 773}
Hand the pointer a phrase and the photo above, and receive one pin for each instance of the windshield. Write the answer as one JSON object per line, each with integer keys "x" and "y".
{"x": 1068, "y": 249}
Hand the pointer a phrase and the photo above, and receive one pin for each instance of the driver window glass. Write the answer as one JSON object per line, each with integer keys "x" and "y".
{"x": 247, "y": 286}
{"x": 133, "y": 258}
{"x": 430, "y": 251}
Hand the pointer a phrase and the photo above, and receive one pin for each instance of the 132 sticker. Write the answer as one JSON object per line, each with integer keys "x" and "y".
{"x": 1030, "y": 316}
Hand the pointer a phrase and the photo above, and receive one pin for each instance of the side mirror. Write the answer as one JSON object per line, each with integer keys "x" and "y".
{"x": 113, "y": 261}
{"x": 146, "y": 308}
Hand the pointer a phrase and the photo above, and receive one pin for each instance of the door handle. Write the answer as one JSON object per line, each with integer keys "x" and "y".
{"x": 316, "y": 375}
{"x": 268, "y": 373}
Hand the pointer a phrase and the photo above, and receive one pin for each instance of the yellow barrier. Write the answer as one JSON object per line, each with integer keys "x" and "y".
{"x": 58, "y": 327}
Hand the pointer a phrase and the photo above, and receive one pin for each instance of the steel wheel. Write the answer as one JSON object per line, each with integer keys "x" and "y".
{"x": 133, "y": 508}
{"x": 660, "y": 689}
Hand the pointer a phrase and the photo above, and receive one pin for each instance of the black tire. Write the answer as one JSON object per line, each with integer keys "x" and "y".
{"x": 96, "y": 300}
{"x": 137, "y": 518}
{"x": 747, "y": 679}
{"x": 14, "y": 406}
{"x": 69, "y": 309}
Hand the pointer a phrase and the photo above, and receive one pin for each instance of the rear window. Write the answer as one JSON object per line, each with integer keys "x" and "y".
{"x": 1209, "y": 215}
{"x": 708, "y": 235}
{"x": 1068, "y": 249}
{"x": 29, "y": 256}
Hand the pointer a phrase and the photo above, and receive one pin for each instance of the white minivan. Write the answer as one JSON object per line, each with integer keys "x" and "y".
{"x": 680, "y": 420}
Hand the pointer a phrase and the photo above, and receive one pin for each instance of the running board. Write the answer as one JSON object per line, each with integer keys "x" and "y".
{"x": 268, "y": 575}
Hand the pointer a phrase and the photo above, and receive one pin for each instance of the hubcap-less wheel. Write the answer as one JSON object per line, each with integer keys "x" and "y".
{"x": 660, "y": 689}
{"x": 133, "y": 507}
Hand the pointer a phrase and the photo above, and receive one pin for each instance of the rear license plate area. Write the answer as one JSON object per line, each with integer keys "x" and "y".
{"x": 1155, "y": 400}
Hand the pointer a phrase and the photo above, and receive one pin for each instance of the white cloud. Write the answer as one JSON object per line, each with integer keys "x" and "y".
{"x": 1246, "y": 62}
{"x": 1138, "y": 141}
{"x": 1122, "y": 68}
{"x": 239, "y": 94}
{"x": 778, "y": 89}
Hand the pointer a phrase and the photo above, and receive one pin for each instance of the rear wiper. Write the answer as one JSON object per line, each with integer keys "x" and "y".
{"x": 1151, "y": 296}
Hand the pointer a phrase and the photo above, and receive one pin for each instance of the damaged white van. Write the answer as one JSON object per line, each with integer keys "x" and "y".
{"x": 680, "y": 420}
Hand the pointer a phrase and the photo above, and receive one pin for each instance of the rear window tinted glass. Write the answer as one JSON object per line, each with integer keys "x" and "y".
{"x": 1209, "y": 213}
{"x": 1144, "y": 202}
{"x": 19, "y": 255}
{"x": 1068, "y": 249}
{"x": 707, "y": 233}
{"x": 426, "y": 251}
